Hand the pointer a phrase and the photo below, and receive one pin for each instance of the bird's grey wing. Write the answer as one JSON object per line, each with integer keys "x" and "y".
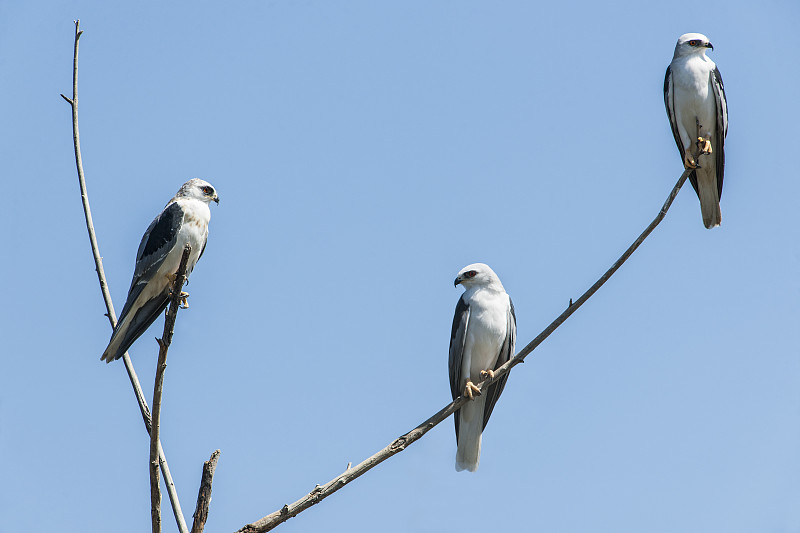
{"x": 669, "y": 103}
{"x": 506, "y": 353}
{"x": 157, "y": 242}
{"x": 458, "y": 336}
{"x": 722, "y": 126}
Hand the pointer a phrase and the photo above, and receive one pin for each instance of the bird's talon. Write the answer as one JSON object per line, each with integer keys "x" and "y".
{"x": 689, "y": 162}
{"x": 487, "y": 373}
{"x": 704, "y": 145}
{"x": 471, "y": 390}
{"x": 184, "y": 301}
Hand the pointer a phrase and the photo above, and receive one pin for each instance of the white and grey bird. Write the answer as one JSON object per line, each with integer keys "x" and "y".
{"x": 482, "y": 339}
{"x": 698, "y": 113}
{"x": 184, "y": 220}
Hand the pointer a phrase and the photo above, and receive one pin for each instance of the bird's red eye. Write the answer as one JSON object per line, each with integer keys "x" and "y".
{"x": 471, "y": 274}
{"x": 694, "y": 42}
{"x": 208, "y": 190}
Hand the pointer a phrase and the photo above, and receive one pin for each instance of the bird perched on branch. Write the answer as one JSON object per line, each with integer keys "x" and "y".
{"x": 698, "y": 113}
{"x": 184, "y": 220}
{"x": 482, "y": 339}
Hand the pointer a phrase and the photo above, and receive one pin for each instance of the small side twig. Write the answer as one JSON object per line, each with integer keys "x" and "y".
{"x": 319, "y": 493}
{"x": 204, "y": 494}
{"x": 163, "y": 347}
{"x": 101, "y": 276}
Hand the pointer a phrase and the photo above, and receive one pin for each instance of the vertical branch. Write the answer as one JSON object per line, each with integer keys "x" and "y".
{"x": 204, "y": 494}
{"x": 163, "y": 347}
{"x": 101, "y": 276}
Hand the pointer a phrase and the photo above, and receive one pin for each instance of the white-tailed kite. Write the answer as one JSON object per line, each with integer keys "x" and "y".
{"x": 698, "y": 113}
{"x": 184, "y": 220}
{"x": 482, "y": 339}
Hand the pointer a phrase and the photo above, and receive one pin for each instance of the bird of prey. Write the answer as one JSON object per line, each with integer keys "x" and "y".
{"x": 184, "y": 220}
{"x": 482, "y": 339}
{"x": 698, "y": 113}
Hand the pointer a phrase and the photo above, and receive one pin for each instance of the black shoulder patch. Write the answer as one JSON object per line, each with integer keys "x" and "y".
{"x": 164, "y": 230}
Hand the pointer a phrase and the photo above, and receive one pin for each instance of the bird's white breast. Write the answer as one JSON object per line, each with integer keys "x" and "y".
{"x": 693, "y": 94}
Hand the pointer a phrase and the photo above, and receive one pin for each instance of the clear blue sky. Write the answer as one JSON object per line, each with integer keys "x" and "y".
{"x": 365, "y": 152}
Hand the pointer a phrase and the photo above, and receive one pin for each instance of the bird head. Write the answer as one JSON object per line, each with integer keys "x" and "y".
{"x": 478, "y": 275}
{"x": 199, "y": 190}
{"x": 692, "y": 43}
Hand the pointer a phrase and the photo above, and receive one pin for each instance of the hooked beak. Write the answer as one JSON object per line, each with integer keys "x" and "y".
{"x": 216, "y": 199}
{"x": 709, "y": 45}
{"x": 457, "y": 282}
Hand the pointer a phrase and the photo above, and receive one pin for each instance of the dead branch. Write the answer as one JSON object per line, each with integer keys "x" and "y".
{"x": 101, "y": 276}
{"x": 319, "y": 493}
{"x": 204, "y": 494}
{"x": 158, "y": 387}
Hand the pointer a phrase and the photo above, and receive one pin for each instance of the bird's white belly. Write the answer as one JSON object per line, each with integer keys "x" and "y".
{"x": 485, "y": 336}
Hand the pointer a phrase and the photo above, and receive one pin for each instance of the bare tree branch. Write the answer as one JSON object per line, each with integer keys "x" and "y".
{"x": 158, "y": 387}
{"x": 204, "y": 494}
{"x": 319, "y": 493}
{"x": 101, "y": 276}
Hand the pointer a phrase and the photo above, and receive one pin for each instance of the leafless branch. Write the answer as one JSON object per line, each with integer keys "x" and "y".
{"x": 204, "y": 494}
{"x": 320, "y": 492}
{"x": 158, "y": 387}
{"x": 101, "y": 276}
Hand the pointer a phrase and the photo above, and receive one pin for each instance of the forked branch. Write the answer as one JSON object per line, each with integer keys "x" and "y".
{"x": 101, "y": 276}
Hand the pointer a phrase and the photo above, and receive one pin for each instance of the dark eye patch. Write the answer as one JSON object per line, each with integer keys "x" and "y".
{"x": 694, "y": 42}
{"x": 208, "y": 190}
{"x": 471, "y": 274}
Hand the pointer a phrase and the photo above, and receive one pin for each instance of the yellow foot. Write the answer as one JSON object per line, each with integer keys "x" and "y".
{"x": 487, "y": 373}
{"x": 184, "y": 302}
{"x": 689, "y": 162}
{"x": 471, "y": 390}
{"x": 704, "y": 145}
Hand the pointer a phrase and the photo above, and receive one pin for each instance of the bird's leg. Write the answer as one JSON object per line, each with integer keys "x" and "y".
{"x": 184, "y": 301}
{"x": 690, "y": 159}
{"x": 487, "y": 373}
{"x": 471, "y": 390}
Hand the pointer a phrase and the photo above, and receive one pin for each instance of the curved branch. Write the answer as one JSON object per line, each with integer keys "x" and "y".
{"x": 319, "y": 493}
{"x": 101, "y": 276}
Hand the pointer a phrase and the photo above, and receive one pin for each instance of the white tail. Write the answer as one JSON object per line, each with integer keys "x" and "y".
{"x": 468, "y": 454}
{"x": 709, "y": 197}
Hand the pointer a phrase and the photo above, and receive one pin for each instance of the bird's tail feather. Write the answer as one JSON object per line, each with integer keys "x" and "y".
{"x": 128, "y": 330}
{"x": 709, "y": 200}
{"x": 468, "y": 453}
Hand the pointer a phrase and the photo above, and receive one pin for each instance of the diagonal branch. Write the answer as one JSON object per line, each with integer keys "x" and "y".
{"x": 319, "y": 493}
{"x": 163, "y": 347}
{"x": 204, "y": 494}
{"x": 101, "y": 276}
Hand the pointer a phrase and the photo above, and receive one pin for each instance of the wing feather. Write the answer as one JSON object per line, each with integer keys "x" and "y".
{"x": 159, "y": 239}
{"x": 458, "y": 336}
{"x": 722, "y": 125}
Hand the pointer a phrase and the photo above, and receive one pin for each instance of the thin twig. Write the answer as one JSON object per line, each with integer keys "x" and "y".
{"x": 101, "y": 276}
{"x": 158, "y": 387}
{"x": 319, "y": 493}
{"x": 204, "y": 494}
